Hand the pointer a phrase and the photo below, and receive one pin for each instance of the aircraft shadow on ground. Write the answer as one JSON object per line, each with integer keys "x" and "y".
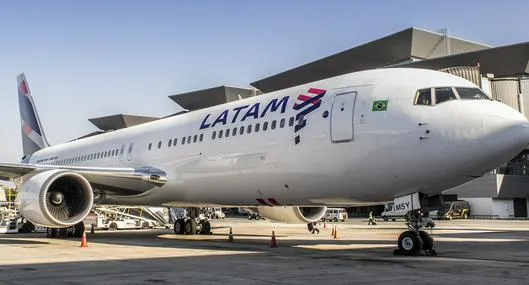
{"x": 261, "y": 243}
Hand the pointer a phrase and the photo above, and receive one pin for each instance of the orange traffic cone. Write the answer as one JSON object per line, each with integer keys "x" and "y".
{"x": 332, "y": 231}
{"x": 230, "y": 236}
{"x": 83, "y": 240}
{"x": 335, "y": 236}
{"x": 273, "y": 242}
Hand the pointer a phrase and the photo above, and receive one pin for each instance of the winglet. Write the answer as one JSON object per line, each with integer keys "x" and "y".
{"x": 33, "y": 138}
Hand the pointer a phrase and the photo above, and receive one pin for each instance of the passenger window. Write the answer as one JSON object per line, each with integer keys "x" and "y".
{"x": 201, "y": 137}
{"x": 249, "y": 129}
{"x": 282, "y": 123}
{"x": 227, "y": 133}
{"x": 160, "y": 144}
{"x": 220, "y": 134}
{"x": 169, "y": 143}
{"x": 213, "y": 135}
{"x": 189, "y": 139}
{"x": 175, "y": 141}
{"x": 195, "y": 137}
{"x": 265, "y": 126}
{"x": 257, "y": 127}
{"x": 234, "y": 132}
{"x": 291, "y": 121}
{"x": 471, "y": 93}
{"x": 443, "y": 94}
{"x": 183, "y": 140}
{"x": 241, "y": 131}
{"x": 424, "y": 97}
{"x": 273, "y": 126}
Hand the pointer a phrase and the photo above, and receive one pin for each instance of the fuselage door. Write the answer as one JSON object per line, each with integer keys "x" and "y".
{"x": 129, "y": 151}
{"x": 342, "y": 116}
{"x": 121, "y": 151}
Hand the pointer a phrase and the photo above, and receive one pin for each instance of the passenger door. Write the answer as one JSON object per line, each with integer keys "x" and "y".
{"x": 342, "y": 116}
{"x": 129, "y": 152}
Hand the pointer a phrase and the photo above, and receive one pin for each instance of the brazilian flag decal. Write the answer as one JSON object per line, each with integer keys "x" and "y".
{"x": 380, "y": 105}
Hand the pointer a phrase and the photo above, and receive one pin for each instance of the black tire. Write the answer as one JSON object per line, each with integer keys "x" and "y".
{"x": 190, "y": 227}
{"x": 27, "y": 227}
{"x": 393, "y": 219}
{"x": 51, "y": 232}
{"x": 409, "y": 243}
{"x": 78, "y": 230}
{"x": 62, "y": 233}
{"x": 113, "y": 227}
{"x": 145, "y": 225}
{"x": 427, "y": 240}
{"x": 205, "y": 228}
{"x": 385, "y": 218}
{"x": 335, "y": 219}
{"x": 179, "y": 227}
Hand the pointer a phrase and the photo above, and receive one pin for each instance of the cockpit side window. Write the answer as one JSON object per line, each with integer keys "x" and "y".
{"x": 443, "y": 94}
{"x": 471, "y": 93}
{"x": 424, "y": 97}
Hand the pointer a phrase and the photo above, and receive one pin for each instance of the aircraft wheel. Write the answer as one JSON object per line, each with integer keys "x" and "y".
{"x": 427, "y": 240}
{"x": 51, "y": 232}
{"x": 179, "y": 226}
{"x": 78, "y": 230}
{"x": 409, "y": 243}
{"x": 190, "y": 227}
{"x": 27, "y": 227}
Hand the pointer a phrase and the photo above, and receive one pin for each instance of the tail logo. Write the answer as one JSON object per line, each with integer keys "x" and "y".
{"x": 32, "y": 136}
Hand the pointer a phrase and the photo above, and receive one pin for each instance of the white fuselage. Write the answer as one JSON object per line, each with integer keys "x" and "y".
{"x": 353, "y": 155}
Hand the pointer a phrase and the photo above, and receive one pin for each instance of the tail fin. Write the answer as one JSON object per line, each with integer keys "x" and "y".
{"x": 33, "y": 138}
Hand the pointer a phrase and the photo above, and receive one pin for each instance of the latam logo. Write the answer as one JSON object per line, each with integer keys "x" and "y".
{"x": 254, "y": 111}
{"x": 305, "y": 105}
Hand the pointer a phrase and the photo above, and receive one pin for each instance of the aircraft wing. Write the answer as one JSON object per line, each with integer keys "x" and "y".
{"x": 115, "y": 180}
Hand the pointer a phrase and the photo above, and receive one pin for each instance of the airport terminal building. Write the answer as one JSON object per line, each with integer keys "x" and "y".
{"x": 502, "y": 72}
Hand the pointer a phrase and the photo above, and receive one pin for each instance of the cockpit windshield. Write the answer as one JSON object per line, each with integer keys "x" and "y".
{"x": 437, "y": 95}
{"x": 471, "y": 93}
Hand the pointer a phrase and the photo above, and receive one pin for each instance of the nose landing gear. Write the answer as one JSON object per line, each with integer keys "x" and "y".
{"x": 414, "y": 241}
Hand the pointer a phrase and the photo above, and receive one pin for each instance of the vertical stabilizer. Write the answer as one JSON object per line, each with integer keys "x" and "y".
{"x": 33, "y": 138}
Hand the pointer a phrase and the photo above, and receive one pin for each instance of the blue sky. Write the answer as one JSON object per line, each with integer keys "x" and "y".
{"x": 85, "y": 59}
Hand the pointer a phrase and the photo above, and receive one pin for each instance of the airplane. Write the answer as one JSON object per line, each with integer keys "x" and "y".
{"x": 361, "y": 138}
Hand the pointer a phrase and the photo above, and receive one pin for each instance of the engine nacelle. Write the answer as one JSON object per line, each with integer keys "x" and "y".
{"x": 55, "y": 198}
{"x": 292, "y": 215}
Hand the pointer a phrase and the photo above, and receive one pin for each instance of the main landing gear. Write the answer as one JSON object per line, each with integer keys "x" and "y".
{"x": 195, "y": 224}
{"x": 414, "y": 241}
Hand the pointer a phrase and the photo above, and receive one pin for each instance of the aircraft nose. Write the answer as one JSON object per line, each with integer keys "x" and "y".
{"x": 505, "y": 135}
{"x": 508, "y": 126}
{"x": 497, "y": 133}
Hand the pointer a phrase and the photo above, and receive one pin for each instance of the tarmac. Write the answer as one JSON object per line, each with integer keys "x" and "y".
{"x": 469, "y": 252}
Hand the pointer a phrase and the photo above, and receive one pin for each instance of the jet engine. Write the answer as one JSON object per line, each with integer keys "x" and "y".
{"x": 55, "y": 198}
{"x": 292, "y": 215}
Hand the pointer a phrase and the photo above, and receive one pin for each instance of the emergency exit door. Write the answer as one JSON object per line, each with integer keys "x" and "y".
{"x": 342, "y": 117}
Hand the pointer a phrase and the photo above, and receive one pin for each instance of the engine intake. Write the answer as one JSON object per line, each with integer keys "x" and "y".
{"x": 293, "y": 215}
{"x": 55, "y": 198}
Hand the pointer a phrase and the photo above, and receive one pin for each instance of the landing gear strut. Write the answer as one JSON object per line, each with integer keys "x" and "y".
{"x": 195, "y": 224}
{"x": 414, "y": 241}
